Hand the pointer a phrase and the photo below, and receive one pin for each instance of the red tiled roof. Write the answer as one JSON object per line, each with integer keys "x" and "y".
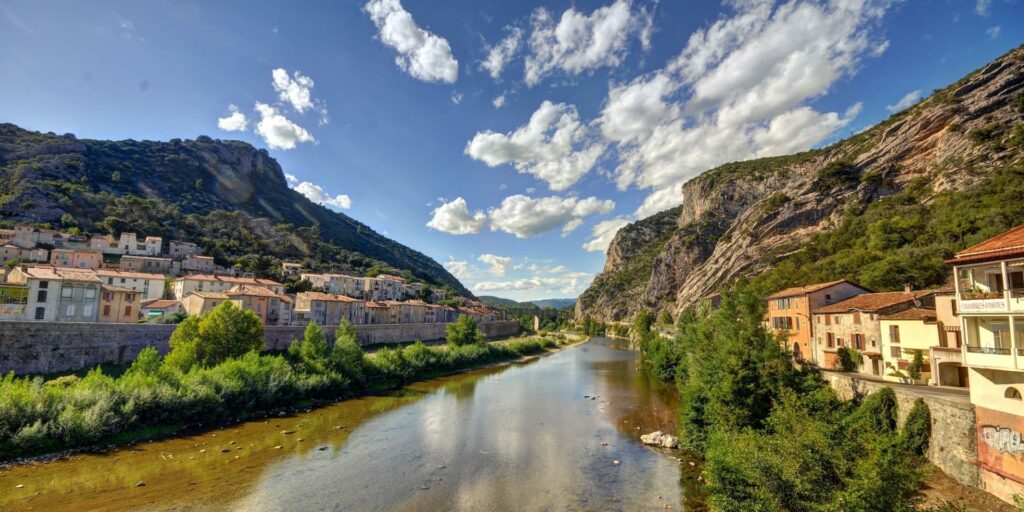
{"x": 915, "y": 313}
{"x": 1005, "y": 245}
{"x": 228, "y": 279}
{"x": 62, "y": 273}
{"x": 811, "y": 288}
{"x": 160, "y": 304}
{"x": 251, "y": 291}
{"x": 328, "y": 297}
{"x": 872, "y": 301}
{"x": 127, "y": 274}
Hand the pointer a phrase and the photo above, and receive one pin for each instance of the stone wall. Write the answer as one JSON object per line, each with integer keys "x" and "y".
{"x": 954, "y": 445}
{"x": 43, "y": 347}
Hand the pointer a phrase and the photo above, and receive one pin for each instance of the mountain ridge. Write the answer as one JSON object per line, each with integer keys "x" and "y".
{"x": 228, "y": 196}
{"x": 746, "y": 219}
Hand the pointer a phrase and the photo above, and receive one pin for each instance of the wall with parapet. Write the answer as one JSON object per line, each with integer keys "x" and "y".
{"x": 43, "y": 347}
{"x": 954, "y": 444}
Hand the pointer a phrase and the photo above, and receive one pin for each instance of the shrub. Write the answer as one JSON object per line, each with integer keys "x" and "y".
{"x": 346, "y": 354}
{"x": 227, "y": 331}
{"x": 917, "y": 430}
{"x": 848, "y": 359}
{"x": 464, "y": 332}
{"x": 915, "y": 366}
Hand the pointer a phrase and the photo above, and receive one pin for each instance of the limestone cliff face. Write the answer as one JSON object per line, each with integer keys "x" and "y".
{"x": 739, "y": 218}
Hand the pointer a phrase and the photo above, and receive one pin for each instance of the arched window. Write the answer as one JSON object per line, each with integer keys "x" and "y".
{"x": 1012, "y": 393}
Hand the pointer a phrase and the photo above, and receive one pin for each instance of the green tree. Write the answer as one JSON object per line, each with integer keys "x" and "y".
{"x": 226, "y": 332}
{"x": 916, "y": 365}
{"x": 917, "y": 430}
{"x": 347, "y": 355}
{"x": 464, "y": 332}
{"x": 848, "y": 359}
{"x": 642, "y": 323}
{"x": 311, "y": 351}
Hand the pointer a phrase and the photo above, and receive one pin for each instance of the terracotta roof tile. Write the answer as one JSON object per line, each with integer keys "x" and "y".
{"x": 915, "y": 313}
{"x": 160, "y": 304}
{"x": 811, "y": 288}
{"x": 872, "y": 301}
{"x": 1007, "y": 244}
{"x": 251, "y": 291}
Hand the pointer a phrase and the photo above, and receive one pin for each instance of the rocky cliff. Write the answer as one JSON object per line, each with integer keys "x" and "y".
{"x": 797, "y": 211}
{"x": 228, "y": 196}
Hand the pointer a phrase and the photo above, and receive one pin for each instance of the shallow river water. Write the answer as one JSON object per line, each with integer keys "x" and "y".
{"x": 517, "y": 437}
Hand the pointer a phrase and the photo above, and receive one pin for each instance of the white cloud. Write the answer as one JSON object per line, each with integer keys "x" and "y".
{"x": 738, "y": 90}
{"x": 318, "y": 195}
{"x": 457, "y": 97}
{"x": 455, "y": 218}
{"x": 497, "y": 265}
{"x": 422, "y": 54}
{"x": 291, "y": 179}
{"x": 502, "y": 53}
{"x": 579, "y": 42}
{"x": 526, "y": 217}
{"x": 278, "y": 131}
{"x": 982, "y": 7}
{"x": 568, "y": 285}
{"x": 295, "y": 91}
{"x": 993, "y": 32}
{"x": 499, "y": 101}
{"x": 554, "y": 146}
{"x": 460, "y": 269}
{"x": 603, "y": 233}
{"x": 906, "y": 101}
{"x": 234, "y": 122}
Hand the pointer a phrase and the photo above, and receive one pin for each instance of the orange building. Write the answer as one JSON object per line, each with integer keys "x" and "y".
{"x": 789, "y": 313}
{"x": 119, "y": 305}
{"x": 259, "y": 300}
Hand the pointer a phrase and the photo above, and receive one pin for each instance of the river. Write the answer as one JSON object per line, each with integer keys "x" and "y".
{"x": 516, "y": 437}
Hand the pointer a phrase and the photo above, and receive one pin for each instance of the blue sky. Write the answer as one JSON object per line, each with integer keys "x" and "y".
{"x": 507, "y": 140}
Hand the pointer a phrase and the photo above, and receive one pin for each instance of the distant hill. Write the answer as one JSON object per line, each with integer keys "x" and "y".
{"x": 883, "y": 207}
{"x": 227, "y": 196}
{"x": 542, "y": 303}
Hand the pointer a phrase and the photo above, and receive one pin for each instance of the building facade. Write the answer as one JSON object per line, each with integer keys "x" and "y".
{"x": 789, "y": 314}
{"x": 118, "y": 305}
{"x": 217, "y": 283}
{"x": 75, "y": 258}
{"x": 149, "y": 286}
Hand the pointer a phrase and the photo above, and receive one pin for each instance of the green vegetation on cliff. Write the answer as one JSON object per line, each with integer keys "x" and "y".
{"x": 228, "y": 197}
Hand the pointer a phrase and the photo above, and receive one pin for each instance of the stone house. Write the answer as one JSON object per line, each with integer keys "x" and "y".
{"x": 148, "y": 264}
{"x": 329, "y": 308}
{"x": 338, "y": 284}
{"x": 11, "y": 252}
{"x": 149, "y": 286}
{"x": 59, "y": 294}
{"x": 789, "y": 313}
{"x": 119, "y": 305}
{"x": 262, "y": 301}
{"x": 217, "y": 283}
{"x": 197, "y": 303}
{"x": 855, "y": 323}
{"x": 75, "y": 258}
{"x": 198, "y": 264}
{"x": 178, "y": 250}
{"x": 384, "y": 287}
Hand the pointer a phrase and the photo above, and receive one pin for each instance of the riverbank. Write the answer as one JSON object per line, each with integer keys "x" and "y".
{"x": 150, "y": 401}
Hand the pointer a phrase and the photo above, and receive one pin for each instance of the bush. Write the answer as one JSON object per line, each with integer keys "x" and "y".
{"x": 915, "y": 366}
{"x": 227, "y": 331}
{"x": 917, "y": 430}
{"x": 848, "y": 359}
{"x": 464, "y": 332}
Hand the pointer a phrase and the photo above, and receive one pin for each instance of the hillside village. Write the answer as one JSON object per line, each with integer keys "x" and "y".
{"x": 53, "y": 276}
{"x": 969, "y": 334}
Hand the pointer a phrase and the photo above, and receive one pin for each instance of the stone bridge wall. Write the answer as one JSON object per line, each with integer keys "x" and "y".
{"x": 954, "y": 444}
{"x": 38, "y": 347}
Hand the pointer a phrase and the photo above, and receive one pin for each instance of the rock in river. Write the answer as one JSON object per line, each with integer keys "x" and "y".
{"x": 659, "y": 438}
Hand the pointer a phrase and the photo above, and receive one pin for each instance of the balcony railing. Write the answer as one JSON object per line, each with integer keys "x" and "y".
{"x": 990, "y": 350}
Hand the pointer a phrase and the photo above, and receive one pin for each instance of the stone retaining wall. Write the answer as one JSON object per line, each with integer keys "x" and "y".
{"x": 954, "y": 445}
{"x": 38, "y": 347}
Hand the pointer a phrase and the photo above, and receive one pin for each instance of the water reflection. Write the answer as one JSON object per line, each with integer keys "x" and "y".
{"x": 519, "y": 437}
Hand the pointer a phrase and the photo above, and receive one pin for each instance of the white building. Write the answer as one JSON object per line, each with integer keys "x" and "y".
{"x": 59, "y": 294}
{"x": 220, "y": 284}
{"x": 149, "y": 286}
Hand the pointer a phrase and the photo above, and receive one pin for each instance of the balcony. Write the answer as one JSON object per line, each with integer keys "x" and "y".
{"x": 947, "y": 355}
{"x": 991, "y": 357}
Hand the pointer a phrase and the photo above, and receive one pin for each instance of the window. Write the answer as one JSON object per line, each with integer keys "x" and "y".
{"x": 830, "y": 340}
{"x": 894, "y": 334}
{"x": 87, "y": 310}
{"x": 838, "y": 319}
{"x": 1012, "y": 393}
{"x": 858, "y": 341}
{"x": 895, "y": 352}
{"x": 1016, "y": 280}
{"x": 128, "y": 311}
{"x": 129, "y": 297}
{"x": 70, "y": 311}
{"x": 90, "y": 293}
{"x": 819, "y": 319}
{"x": 40, "y": 313}
{"x": 839, "y": 341}
{"x": 856, "y": 317}
{"x": 41, "y": 296}
{"x": 782, "y": 303}
{"x": 44, "y": 285}
{"x": 107, "y": 296}
{"x": 122, "y": 280}
{"x": 106, "y": 310}
{"x": 65, "y": 291}
{"x": 798, "y": 323}
{"x": 782, "y": 322}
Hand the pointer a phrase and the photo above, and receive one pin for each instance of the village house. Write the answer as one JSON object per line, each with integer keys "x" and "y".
{"x": 178, "y": 250}
{"x": 989, "y": 281}
{"x": 854, "y": 323}
{"x": 904, "y": 334}
{"x": 58, "y": 294}
{"x": 947, "y": 358}
{"x": 384, "y": 287}
{"x": 196, "y": 303}
{"x": 375, "y": 313}
{"x": 339, "y": 284}
{"x": 789, "y": 313}
{"x": 198, "y": 264}
{"x": 11, "y": 252}
{"x": 260, "y": 300}
{"x": 119, "y": 305}
{"x": 75, "y": 258}
{"x": 158, "y": 309}
{"x": 330, "y": 309}
{"x": 290, "y": 269}
{"x": 30, "y": 236}
{"x": 149, "y": 286}
{"x": 216, "y": 283}
{"x": 148, "y": 264}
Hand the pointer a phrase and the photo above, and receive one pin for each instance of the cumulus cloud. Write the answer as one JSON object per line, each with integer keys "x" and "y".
{"x": 278, "y": 131}
{"x": 455, "y": 218}
{"x": 580, "y": 42}
{"x": 570, "y": 285}
{"x": 739, "y": 89}
{"x": 499, "y": 101}
{"x": 318, "y": 195}
{"x": 906, "y": 101}
{"x": 527, "y": 217}
{"x": 422, "y": 54}
{"x": 603, "y": 233}
{"x": 295, "y": 91}
{"x": 462, "y": 270}
{"x": 457, "y": 97}
{"x": 234, "y": 122}
{"x": 553, "y": 146}
{"x": 502, "y": 53}
{"x": 497, "y": 265}
{"x": 982, "y": 7}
